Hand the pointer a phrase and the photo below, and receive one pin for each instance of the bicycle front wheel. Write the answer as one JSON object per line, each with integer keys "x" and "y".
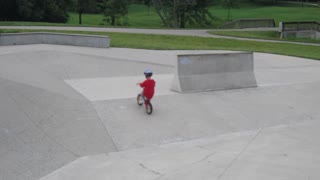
{"x": 149, "y": 108}
{"x": 139, "y": 100}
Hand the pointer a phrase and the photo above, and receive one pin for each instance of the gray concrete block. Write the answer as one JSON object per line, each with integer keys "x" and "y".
{"x": 54, "y": 38}
{"x": 301, "y": 34}
{"x": 205, "y": 72}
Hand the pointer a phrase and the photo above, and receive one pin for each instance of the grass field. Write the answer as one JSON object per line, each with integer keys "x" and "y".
{"x": 142, "y": 17}
{"x": 170, "y": 42}
{"x": 270, "y": 35}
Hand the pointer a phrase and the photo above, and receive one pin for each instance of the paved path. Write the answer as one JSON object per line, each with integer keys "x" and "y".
{"x": 180, "y": 32}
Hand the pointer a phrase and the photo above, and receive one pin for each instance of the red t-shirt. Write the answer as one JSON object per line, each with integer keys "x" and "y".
{"x": 148, "y": 88}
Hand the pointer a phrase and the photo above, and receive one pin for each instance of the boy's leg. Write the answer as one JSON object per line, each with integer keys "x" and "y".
{"x": 146, "y": 100}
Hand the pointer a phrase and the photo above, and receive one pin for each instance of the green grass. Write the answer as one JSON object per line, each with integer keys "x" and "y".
{"x": 170, "y": 42}
{"x": 142, "y": 17}
{"x": 270, "y": 35}
{"x": 87, "y": 19}
{"x": 249, "y": 34}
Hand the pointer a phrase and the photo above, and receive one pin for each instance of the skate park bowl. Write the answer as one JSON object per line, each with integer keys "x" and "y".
{"x": 70, "y": 112}
{"x": 219, "y": 71}
{"x": 54, "y": 38}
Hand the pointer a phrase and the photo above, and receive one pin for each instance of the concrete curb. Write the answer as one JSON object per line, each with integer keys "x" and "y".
{"x": 54, "y": 38}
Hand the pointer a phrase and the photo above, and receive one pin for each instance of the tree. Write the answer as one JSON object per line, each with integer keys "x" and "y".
{"x": 115, "y": 11}
{"x": 163, "y": 9}
{"x": 34, "y": 10}
{"x": 229, "y": 4}
{"x": 24, "y": 9}
{"x": 53, "y": 10}
{"x": 84, "y": 6}
{"x": 179, "y": 13}
{"x": 8, "y": 10}
{"x": 148, "y": 3}
{"x": 81, "y": 7}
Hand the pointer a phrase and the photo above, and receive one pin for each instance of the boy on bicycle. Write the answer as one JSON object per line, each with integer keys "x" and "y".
{"x": 148, "y": 86}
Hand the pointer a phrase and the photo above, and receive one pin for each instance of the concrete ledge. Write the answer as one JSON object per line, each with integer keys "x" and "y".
{"x": 301, "y": 34}
{"x": 54, "y": 38}
{"x": 304, "y": 29}
{"x": 205, "y": 72}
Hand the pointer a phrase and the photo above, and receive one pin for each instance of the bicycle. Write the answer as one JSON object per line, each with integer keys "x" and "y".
{"x": 143, "y": 100}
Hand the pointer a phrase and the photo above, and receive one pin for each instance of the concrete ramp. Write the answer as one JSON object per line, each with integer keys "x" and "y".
{"x": 218, "y": 71}
{"x": 40, "y": 129}
{"x": 267, "y": 153}
{"x": 44, "y": 122}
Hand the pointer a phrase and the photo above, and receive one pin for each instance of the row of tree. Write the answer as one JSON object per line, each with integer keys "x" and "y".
{"x": 173, "y": 13}
{"x": 34, "y": 10}
{"x": 178, "y": 13}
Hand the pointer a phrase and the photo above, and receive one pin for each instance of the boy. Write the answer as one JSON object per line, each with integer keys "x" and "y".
{"x": 148, "y": 85}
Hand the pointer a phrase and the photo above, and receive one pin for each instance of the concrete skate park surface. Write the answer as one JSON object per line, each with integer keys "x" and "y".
{"x": 70, "y": 113}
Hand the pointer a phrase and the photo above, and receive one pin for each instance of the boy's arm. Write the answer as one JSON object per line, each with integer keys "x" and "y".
{"x": 142, "y": 84}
